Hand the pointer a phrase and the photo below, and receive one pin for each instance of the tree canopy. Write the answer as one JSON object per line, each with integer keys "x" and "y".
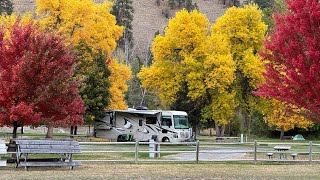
{"x": 81, "y": 20}
{"x": 292, "y": 58}
{"x": 91, "y": 26}
{"x": 244, "y": 29}
{"x": 36, "y": 79}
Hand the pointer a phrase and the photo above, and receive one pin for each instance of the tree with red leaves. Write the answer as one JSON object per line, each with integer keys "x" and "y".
{"x": 36, "y": 80}
{"x": 293, "y": 58}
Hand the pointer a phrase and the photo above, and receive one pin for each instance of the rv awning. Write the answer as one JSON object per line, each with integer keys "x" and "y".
{"x": 146, "y": 112}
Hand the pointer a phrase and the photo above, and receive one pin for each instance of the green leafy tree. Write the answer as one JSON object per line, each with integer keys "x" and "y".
{"x": 93, "y": 74}
{"x": 6, "y": 7}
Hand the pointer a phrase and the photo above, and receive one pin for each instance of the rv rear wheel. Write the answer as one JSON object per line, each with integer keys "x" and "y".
{"x": 165, "y": 139}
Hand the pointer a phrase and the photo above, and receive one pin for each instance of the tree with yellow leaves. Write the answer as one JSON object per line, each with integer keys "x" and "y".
{"x": 120, "y": 75}
{"x": 190, "y": 62}
{"x": 81, "y": 20}
{"x": 245, "y": 31}
{"x": 285, "y": 117}
{"x": 92, "y": 30}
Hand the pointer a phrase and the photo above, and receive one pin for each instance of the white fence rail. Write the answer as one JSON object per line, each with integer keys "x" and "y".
{"x": 198, "y": 151}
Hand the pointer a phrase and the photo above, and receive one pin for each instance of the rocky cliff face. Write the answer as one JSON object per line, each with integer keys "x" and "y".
{"x": 148, "y": 18}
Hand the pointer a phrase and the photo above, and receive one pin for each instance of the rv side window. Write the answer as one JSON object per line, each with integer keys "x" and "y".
{"x": 151, "y": 120}
{"x": 166, "y": 121}
{"x": 140, "y": 122}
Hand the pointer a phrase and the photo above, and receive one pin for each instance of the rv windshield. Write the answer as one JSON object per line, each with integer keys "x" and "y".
{"x": 180, "y": 122}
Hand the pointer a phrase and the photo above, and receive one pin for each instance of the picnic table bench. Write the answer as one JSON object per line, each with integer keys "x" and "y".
{"x": 65, "y": 148}
{"x": 3, "y": 150}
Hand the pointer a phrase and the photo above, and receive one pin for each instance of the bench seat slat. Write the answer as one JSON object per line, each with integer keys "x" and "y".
{"x": 52, "y": 164}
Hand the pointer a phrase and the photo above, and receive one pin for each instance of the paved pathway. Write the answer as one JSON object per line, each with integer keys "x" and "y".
{"x": 215, "y": 154}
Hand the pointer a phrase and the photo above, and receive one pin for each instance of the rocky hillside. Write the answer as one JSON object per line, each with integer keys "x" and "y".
{"x": 148, "y": 18}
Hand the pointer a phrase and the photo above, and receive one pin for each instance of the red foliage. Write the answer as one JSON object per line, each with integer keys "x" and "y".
{"x": 36, "y": 85}
{"x": 293, "y": 73}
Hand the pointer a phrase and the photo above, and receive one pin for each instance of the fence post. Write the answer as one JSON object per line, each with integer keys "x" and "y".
{"x": 255, "y": 151}
{"x": 310, "y": 151}
{"x": 197, "y": 151}
{"x": 136, "y": 152}
{"x": 158, "y": 149}
{"x": 152, "y": 148}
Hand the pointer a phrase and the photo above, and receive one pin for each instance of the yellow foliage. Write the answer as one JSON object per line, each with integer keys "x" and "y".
{"x": 188, "y": 54}
{"x": 8, "y": 21}
{"x": 81, "y": 20}
{"x": 223, "y": 107}
{"x": 245, "y": 31}
{"x": 279, "y": 115}
{"x": 120, "y": 74}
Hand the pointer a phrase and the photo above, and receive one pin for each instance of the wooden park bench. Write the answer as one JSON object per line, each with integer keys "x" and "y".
{"x": 65, "y": 148}
{"x": 3, "y": 150}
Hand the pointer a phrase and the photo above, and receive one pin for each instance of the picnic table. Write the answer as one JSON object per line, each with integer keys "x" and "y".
{"x": 65, "y": 148}
{"x": 282, "y": 149}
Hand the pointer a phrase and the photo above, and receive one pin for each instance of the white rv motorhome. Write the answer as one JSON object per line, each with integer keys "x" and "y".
{"x": 143, "y": 125}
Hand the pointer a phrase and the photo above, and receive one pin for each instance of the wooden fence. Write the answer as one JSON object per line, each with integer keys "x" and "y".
{"x": 198, "y": 152}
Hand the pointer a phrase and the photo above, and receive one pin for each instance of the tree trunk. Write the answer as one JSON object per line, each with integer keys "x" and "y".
{"x": 217, "y": 130}
{"x": 75, "y": 130}
{"x": 281, "y": 133}
{"x": 49, "y": 132}
{"x": 21, "y": 129}
{"x": 229, "y": 125}
{"x": 15, "y": 127}
{"x": 71, "y": 132}
{"x": 222, "y": 130}
{"x": 210, "y": 134}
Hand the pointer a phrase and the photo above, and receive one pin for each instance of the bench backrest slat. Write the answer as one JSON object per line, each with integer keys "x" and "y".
{"x": 45, "y": 142}
{"x": 48, "y": 151}
{"x": 48, "y": 146}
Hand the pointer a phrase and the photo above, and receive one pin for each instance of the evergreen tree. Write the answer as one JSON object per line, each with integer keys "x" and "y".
{"x": 6, "y": 7}
{"x": 189, "y": 5}
{"x": 95, "y": 84}
{"x": 172, "y": 3}
{"x": 123, "y": 11}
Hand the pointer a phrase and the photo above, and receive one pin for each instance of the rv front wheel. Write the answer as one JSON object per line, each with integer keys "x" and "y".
{"x": 165, "y": 139}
